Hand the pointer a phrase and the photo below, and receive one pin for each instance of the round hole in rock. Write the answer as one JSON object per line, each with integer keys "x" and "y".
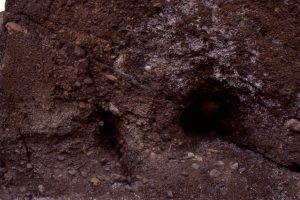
{"x": 210, "y": 111}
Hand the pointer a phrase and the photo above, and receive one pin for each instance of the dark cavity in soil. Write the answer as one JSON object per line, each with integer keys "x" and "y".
{"x": 107, "y": 131}
{"x": 210, "y": 110}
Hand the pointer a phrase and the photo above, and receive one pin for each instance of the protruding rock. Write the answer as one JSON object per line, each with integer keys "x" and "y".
{"x": 153, "y": 156}
{"x": 169, "y": 194}
{"x": 234, "y": 166}
{"x": 88, "y": 81}
{"x": 148, "y": 68}
{"x": 214, "y": 173}
{"x": 114, "y": 110}
{"x": 95, "y": 181}
{"x": 41, "y": 188}
{"x": 195, "y": 166}
{"x": 190, "y": 155}
{"x": 293, "y": 125}
{"x": 78, "y": 51}
{"x": 111, "y": 77}
{"x": 14, "y": 27}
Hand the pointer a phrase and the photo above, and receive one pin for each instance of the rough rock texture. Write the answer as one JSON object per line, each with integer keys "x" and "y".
{"x": 140, "y": 99}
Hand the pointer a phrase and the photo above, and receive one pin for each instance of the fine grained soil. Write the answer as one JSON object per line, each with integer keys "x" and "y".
{"x": 140, "y": 99}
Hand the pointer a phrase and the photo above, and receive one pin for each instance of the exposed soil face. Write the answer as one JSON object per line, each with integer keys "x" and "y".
{"x": 178, "y": 99}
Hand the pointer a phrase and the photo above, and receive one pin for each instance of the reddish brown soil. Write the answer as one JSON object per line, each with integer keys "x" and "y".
{"x": 140, "y": 99}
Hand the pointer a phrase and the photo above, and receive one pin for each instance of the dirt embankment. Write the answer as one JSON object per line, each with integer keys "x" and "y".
{"x": 125, "y": 99}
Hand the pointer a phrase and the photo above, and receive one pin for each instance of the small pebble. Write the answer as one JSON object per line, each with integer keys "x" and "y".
{"x": 293, "y": 125}
{"x": 190, "y": 155}
{"x": 78, "y": 51}
{"x": 148, "y": 68}
{"x": 214, "y": 173}
{"x": 153, "y": 156}
{"x": 234, "y": 166}
{"x": 114, "y": 110}
{"x": 199, "y": 159}
{"x": 83, "y": 63}
{"x": 88, "y": 81}
{"x": 22, "y": 189}
{"x": 242, "y": 170}
{"x": 60, "y": 158}
{"x": 41, "y": 188}
{"x": 145, "y": 181}
{"x": 101, "y": 123}
{"x": 170, "y": 194}
{"x": 95, "y": 181}
{"x": 12, "y": 26}
{"x": 195, "y": 166}
{"x": 72, "y": 172}
{"x": 111, "y": 78}
{"x": 77, "y": 84}
{"x": 29, "y": 166}
{"x": 220, "y": 163}
{"x": 84, "y": 174}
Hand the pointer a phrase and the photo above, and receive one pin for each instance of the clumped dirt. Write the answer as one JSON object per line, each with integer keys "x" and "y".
{"x": 161, "y": 99}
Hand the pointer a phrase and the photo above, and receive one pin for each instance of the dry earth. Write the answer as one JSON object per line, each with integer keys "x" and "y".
{"x": 141, "y": 99}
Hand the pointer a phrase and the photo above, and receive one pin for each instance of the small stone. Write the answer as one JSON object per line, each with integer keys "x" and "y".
{"x": 145, "y": 181}
{"x": 139, "y": 177}
{"x": 103, "y": 161}
{"x": 101, "y": 123}
{"x": 114, "y": 109}
{"x": 12, "y": 26}
{"x": 61, "y": 158}
{"x": 78, "y": 51}
{"x": 22, "y": 189}
{"x": 242, "y": 170}
{"x": 213, "y": 151}
{"x": 220, "y": 163}
{"x": 199, "y": 159}
{"x": 111, "y": 78}
{"x": 77, "y": 84}
{"x": 293, "y": 125}
{"x": 41, "y": 188}
{"x": 83, "y": 63}
{"x": 195, "y": 166}
{"x": 190, "y": 155}
{"x": 95, "y": 181}
{"x": 148, "y": 68}
{"x": 82, "y": 105}
{"x": 214, "y": 173}
{"x": 234, "y": 166}
{"x": 88, "y": 81}
{"x": 29, "y": 166}
{"x": 72, "y": 172}
{"x": 84, "y": 174}
{"x": 170, "y": 194}
{"x": 153, "y": 156}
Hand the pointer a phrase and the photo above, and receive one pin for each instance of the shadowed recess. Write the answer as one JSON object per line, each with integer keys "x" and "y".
{"x": 212, "y": 110}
